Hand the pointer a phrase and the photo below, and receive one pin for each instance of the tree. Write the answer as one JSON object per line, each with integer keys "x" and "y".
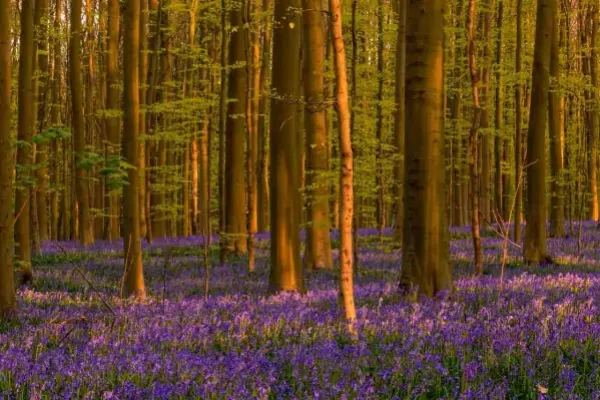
{"x": 518, "y": 121}
{"x": 8, "y": 302}
{"x": 534, "y": 249}
{"x": 346, "y": 168}
{"x": 133, "y": 281}
{"x": 473, "y": 141}
{"x": 425, "y": 246}
{"x": 235, "y": 186}
{"x": 86, "y": 233}
{"x": 556, "y": 110}
{"x": 113, "y": 130}
{"x": 318, "y": 242}
{"x": 286, "y": 269}
{"x": 399, "y": 121}
{"x": 25, "y": 136}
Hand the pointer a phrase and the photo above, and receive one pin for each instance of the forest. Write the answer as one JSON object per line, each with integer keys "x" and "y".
{"x": 299, "y": 199}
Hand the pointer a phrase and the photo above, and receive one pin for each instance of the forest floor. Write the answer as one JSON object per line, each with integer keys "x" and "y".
{"x": 536, "y": 337}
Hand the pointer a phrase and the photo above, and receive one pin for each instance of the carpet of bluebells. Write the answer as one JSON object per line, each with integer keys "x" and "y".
{"x": 537, "y": 336}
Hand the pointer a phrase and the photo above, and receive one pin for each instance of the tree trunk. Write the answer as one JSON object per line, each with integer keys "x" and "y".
{"x": 556, "y": 129}
{"x": 8, "y": 301}
{"x": 594, "y": 123}
{"x": 113, "y": 129}
{"x": 534, "y": 249}
{"x": 473, "y": 140}
{"x": 499, "y": 150}
{"x": 263, "y": 134}
{"x": 42, "y": 147}
{"x": 519, "y": 175}
{"x": 485, "y": 191}
{"x": 399, "y": 122}
{"x": 425, "y": 266}
{"x": 86, "y": 233}
{"x": 235, "y": 187}
{"x": 318, "y": 243}
{"x": 286, "y": 268}
{"x": 346, "y": 167}
{"x": 55, "y": 120}
{"x": 143, "y": 73}
{"x": 379, "y": 178}
{"x": 133, "y": 280}
{"x": 25, "y": 135}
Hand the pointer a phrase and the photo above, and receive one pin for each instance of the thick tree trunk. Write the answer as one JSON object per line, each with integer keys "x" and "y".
{"x": 8, "y": 302}
{"x": 425, "y": 266}
{"x": 318, "y": 242}
{"x": 86, "y": 233}
{"x": 235, "y": 186}
{"x": 25, "y": 135}
{"x": 534, "y": 249}
{"x": 133, "y": 280}
{"x": 286, "y": 268}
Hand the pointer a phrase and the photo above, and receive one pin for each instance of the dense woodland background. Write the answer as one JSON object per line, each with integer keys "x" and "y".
{"x": 168, "y": 118}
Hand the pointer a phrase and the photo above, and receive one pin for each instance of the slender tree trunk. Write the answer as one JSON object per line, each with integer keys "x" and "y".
{"x": 55, "y": 120}
{"x": 425, "y": 266}
{"x": 518, "y": 129}
{"x": 346, "y": 167}
{"x": 534, "y": 249}
{"x": 263, "y": 126}
{"x": 143, "y": 73}
{"x": 499, "y": 150}
{"x": 8, "y": 302}
{"x": 485, "y": 175}
{"x": 473, "y": 140}
{"x": 318, "y": 243}
{"x": 556, "y": 129}
{"x": 43, "y": 89}
{"x": 286, "y": 268}
{"x": 399, "y": 122}
{"x": 86, "y": 233}
{"x": 222, "y": 133}
{"x": 113, "y": 129}
{"x": 133, "y": 280}
{"x": 594, "y": 123}
{"x": 25, "y": 135}
{"x": 379, "y": 178}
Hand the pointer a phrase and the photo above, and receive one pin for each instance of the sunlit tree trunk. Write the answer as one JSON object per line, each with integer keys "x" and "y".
{"x": 485, "y": 154}
{"x": 379, "y": 154}
{"x": 534, "y": 249}
{"x": 263, "y": 134}
{"x": 113, "y": 129}
{"x": 286, "y": 268}
{"x": 473, "y": 141}
{"x": 594, "y": 122}
{"x": 133, "y": 280}
{"x": 425, "y": 266}
{"x": 25, "y": 136}
{"x": 556, "y": 128}
{"x": 86, "y": 233}
{"x": 318, "y": 243}
{"x": 499, "y": 145}
{"x": 8, "y": 302}
{"x": 143, "y": 73}
{"x": 346, "y": 167}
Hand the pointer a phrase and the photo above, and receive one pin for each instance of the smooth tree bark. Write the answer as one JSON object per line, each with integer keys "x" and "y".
{"x": 379, "y": 176}
{"x": 143, "y": 66}
{"x": 519, "y": 173}
{"x": 286, "y": 272}
{"x": 594, "y": 123}
{"x": 484, "y": 153}
{"x": 41, "y": 8}
{"x": 55, "y": 120}
{"x": 25, "y": 137}
{"x": 399, "y": 122}
{"x": 133, "y": 279}
{"x": 556, "y": 128}
{"x": 86, "y": 232}
{"x": 534, "y": 248}
{"x": 318, "y": 243}
{"x": 8, "y": 302}
{"x": 425, "y": 266}
{"x": 113, "y": 129}
{"x": 346, "y": 167}
{"x": 499, "y": 145}
{"x": 473, "y": 141}
{"x": 235, "y": 184}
